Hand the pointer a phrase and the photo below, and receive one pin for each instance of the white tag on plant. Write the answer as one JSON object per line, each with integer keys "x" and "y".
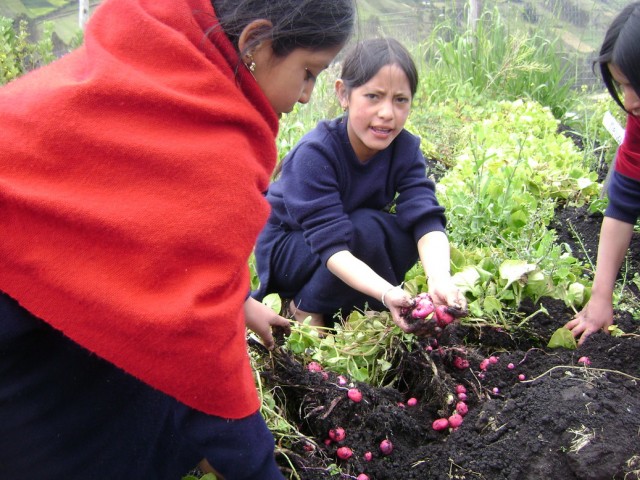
{"x": 613, "y": 127}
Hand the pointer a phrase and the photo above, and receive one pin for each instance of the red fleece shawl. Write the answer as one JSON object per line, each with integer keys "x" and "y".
{"x": 131, "y": 180}
{"x": 628, "y": 156}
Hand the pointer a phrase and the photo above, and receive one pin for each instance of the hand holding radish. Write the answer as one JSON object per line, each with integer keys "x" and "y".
{"x": 397, "y": 301}
{"x": 261, "y": 319}
{"x": 425, "y": 318}
{"x": 444, "y": 292}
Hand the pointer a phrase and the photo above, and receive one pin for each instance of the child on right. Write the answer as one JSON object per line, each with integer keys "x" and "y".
{"x": 619, "y": 63}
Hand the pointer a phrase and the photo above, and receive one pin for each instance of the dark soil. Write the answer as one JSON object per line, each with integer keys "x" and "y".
{"x": 564, "y": 421}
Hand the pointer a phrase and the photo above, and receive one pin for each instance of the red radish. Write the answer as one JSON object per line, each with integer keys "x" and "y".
{"x": 342, "y": 380}
{"x": 481, "y": 375}
{"x": 521, "y": 377}
{"x": 367, "y": 456}
{"x": 309, "y": 447}
{"x": 443, "y": 317}
{"x": 462, "y": 408}
{"x": 401, "y": 405}
{"x": 493, "y": 359}
{"x": 386, "y": 447}
{"x": 412, "y": 402}
{"x": 455, "y": 420}
{"x": 460, "y": 363}
{"x": 461, "y": 389}
{"x": 462, "y": 396}
{"x": 511, "y": 366}
{"x": 325, "y": 375}
{"x": 344, "y": 453}
{"x": 314, "y": 367}
{"x": 337, "y": 434}
{"x": 424, "y": 307}
{"x": 327, "y": 441}
{"x": 585, "y": 361}
{"x": 496, "y": 390}
{"x": 484, "y": 364}
{"x": 440, "y": 424}
{"x": 362, "y": 476}
{"x": 355, "y": 395}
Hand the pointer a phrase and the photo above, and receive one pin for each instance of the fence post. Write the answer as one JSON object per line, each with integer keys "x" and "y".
{"x": 83, "y": 13}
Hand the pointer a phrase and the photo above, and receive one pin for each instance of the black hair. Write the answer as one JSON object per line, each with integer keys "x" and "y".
{"x": 620, "y": 48}
{"x": 309, "y": 24}
{"x": 367, "y": 57}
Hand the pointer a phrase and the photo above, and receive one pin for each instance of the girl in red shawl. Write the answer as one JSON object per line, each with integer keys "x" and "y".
{"x": 132, "y": 174}
{"x": 619, "y": 62}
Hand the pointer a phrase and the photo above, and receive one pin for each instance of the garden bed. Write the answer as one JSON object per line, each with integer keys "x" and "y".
{"x": 564, "y": 420}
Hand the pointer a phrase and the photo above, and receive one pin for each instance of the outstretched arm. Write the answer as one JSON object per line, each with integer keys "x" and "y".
{"x": 358, "y": 275}
{"x": 597, "y": 314}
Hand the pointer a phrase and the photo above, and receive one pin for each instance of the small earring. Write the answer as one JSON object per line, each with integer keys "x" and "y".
{"x": 252, "y": 64}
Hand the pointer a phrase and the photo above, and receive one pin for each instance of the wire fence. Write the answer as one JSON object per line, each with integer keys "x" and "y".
{"x": 578, "y": 24}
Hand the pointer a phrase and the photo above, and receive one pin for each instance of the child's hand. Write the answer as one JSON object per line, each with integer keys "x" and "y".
{"x": 596, "y": 315}
{"x": 396, "y": 299}
{"x": 445, "y": 292}
{"x": 261, "y": 319}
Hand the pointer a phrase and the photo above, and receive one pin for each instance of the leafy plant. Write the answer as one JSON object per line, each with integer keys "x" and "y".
{"x": 493, "y": 61}
{"x": 18, "y": 54}
{"x": 362, "y": 347}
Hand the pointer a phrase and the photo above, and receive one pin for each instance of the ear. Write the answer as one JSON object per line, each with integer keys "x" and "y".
{"x": 341, "y": 92}
{"x": 249, "y": 40}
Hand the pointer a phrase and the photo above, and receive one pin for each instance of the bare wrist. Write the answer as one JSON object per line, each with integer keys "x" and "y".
{"x": 384, "y": 294}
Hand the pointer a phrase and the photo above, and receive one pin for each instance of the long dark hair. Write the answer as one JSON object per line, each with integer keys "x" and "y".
{"x": 621, "y": 48}
{"x": 367, "y": 57}
{"x": 310, "y": 24}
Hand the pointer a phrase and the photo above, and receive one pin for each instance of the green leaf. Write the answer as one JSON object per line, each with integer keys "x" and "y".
{"x": 273, "y": 301}
{"x": 467, "y": 279}
{"x": 562, "y": 338}
{"x": 515, "y": 270}
{"x": 492, "y": 305}
{"x": 518, "y": 219}
{"x": 615, "y": 331}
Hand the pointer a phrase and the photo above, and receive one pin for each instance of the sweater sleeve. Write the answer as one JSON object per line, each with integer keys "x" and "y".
{"x": 417, "y": 206}
{"x": 624, "y": 198}
{"x": 312, "y": 194}
{"x": 624, "y": 189}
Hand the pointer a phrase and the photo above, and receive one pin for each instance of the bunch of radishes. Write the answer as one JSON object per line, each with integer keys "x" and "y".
{"x": 344, "y": 453}
{"x": 455, "y": 419}
{"x": 425, "y": 318}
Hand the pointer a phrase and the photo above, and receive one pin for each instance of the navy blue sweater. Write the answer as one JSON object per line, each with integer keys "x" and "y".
{"x": 323, "y": 181}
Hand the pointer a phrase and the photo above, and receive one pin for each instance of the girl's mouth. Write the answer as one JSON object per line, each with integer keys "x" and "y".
{"x": 382, "y": 131}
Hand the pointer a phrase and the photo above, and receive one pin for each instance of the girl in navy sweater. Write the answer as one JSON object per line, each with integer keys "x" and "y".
{"x": 619, "y": 62}
{"x": 353, "y": 209}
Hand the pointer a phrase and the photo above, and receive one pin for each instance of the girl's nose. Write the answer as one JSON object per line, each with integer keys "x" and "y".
{"x": 305, "y": 96}
{"x": 385, "y": 110}
{"x": 631, "y": 99}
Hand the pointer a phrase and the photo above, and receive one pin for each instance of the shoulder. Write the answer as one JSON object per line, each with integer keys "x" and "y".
{"x": 407, "y": 139}
{"x": 327, "y": 136}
